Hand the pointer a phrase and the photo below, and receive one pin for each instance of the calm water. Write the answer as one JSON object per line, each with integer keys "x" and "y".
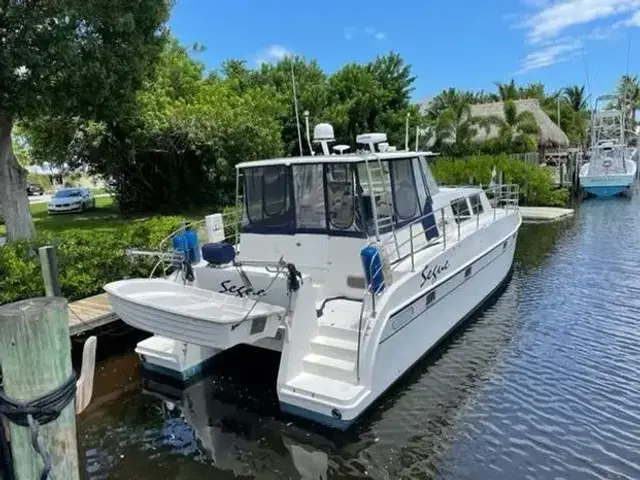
{"x": 545, "y": 383}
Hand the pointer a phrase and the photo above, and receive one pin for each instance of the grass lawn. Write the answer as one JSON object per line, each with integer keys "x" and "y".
{"x": 104, "y": 218}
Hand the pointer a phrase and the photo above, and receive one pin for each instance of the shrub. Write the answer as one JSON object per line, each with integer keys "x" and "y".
{"x": 537, "y": 185}
{"x": 86, "y": 260}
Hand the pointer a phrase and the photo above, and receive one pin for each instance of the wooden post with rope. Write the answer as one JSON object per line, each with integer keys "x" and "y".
{"x": 35, "y": 354}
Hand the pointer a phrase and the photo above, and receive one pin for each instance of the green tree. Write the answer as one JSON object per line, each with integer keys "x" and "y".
{"x": 577, "y": 101}
{"x": 517, "y": 129}
{"x": 629, "y": 92}
{"x": 68, "y": 58}
{"x": 179, "y": 144}
{"x": 454, "y": 127}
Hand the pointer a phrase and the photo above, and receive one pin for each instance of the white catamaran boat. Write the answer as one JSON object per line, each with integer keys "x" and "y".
{"x": 612, "y": 168}
{"x": 354, "y": 266}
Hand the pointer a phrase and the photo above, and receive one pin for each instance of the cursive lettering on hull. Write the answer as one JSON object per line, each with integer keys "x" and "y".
{"x": 431, "y": 273}
{"x": 239, "y": 290}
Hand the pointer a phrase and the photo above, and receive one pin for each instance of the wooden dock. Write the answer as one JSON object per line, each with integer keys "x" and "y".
{"x": 90, "y": 313}
{"x": 544, "y": 214}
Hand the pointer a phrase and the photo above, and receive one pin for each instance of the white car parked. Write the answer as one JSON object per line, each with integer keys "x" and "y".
{"x": 71, "y": 200}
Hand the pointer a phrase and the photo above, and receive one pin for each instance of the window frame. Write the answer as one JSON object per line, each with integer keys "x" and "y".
{"x": 461, "y": 218}
{"x": 478, "y": 208}
{"x": 288, "y": 225}
{"x": 417, "y": 210}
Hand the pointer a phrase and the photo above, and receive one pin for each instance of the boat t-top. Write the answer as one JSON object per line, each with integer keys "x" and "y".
{"x": 352, "y": 265}
{"x": 611, "y": 169}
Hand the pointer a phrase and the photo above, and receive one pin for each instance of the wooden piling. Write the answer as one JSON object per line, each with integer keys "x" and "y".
{"x": 49, "y": 265}
{"x": 35, "y": 354}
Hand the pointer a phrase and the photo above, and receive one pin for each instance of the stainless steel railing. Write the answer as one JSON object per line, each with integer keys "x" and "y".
{"x": 501, "y": 197}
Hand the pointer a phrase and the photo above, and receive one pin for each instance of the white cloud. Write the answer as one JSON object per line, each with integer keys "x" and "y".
{"x": 349, "y": 33}
{"x": 352, "y": 32}
{"x": 550, "y": 54}
{"x": 634, "y": 21}
{"x": 552, "y": 19}
{"x": 271, "y": 54}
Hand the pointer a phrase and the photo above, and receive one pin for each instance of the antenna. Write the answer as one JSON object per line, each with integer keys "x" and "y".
{"x": 295, "y": 104}
{"x": 341, "y": 148}
{"x": 406, "y": 133}
{"x": 306, "y": 122}
{"x": 417, "y": 136}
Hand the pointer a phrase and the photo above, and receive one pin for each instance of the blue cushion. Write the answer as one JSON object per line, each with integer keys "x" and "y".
{"x": 218, "y": 253}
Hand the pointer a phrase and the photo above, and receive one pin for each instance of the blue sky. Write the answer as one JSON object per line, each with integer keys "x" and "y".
{"x": 467, "y": 44}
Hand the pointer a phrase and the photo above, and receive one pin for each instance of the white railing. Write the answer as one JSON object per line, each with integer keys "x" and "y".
{"x": 167, "y": 257}
{"x": 501, "y": 197}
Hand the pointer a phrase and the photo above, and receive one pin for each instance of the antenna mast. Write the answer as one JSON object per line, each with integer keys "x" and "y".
{"x": 295, "y": 104}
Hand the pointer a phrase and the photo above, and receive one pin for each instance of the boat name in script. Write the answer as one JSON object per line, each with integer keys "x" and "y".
{"x": 240, "y": 291}
{"x": 431, "y": 273}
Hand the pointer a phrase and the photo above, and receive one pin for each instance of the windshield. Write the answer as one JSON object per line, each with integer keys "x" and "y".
{"x": 68, "y": 193}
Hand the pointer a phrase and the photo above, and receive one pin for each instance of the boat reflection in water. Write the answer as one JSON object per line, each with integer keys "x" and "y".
{"x": 244, "y": 433}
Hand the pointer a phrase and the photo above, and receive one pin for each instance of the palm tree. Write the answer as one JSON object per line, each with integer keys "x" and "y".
{"x": 515, "y": 129}
{"x": 508, "y": 91}
{"x": 576, "y": 97}
{"x": 629, "y": 92}
{"x": 450, "y": 116}
{"x": 577, "y": 101}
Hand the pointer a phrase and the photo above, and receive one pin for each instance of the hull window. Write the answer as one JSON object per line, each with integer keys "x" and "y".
{"x": 431, "y": 297}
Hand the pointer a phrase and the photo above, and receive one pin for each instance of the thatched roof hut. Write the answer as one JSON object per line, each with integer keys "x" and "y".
{"x": 550, "y": 133}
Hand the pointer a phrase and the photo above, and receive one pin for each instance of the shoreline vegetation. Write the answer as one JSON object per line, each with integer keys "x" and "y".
{"x": 92, "y": 246}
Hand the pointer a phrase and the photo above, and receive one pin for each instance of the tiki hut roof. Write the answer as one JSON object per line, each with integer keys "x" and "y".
{"x": 550, "y": 133}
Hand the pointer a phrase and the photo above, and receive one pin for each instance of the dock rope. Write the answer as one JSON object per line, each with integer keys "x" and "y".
{"x": 37, "y": 412}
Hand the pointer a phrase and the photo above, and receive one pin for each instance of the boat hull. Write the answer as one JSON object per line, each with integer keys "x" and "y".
{"x": 397, "y": 353}
{"x": 608, "y": 185}
{"x": 177, "y": 360}
{"x": 606, "y": 190}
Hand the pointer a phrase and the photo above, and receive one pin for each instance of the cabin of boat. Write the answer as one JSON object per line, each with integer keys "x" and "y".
{"x": 352, "y": 265}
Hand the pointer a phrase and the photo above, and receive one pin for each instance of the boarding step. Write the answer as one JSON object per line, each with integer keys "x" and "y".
{"x": 325, "y": 389}
{"x": 341, "y": 333}
{"x": 335, "y": 347}
{"x": 330, "y": 367}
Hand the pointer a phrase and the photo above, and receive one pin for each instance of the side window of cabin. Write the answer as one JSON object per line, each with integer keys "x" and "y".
{"x": 460, "y": 209}
{"x": 267, "y": 197}
{"x": 432, "y": 185}
{"x": 476, "y": 204}
{"x": 309, "y": 196}
{"x": 405, "y": 196}
{"x": 340, "y": 195}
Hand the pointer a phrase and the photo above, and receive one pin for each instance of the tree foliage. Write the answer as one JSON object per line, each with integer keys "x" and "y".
{"x": 177, "y": 143}
{"x": 63, "y": 59}
{"x": 449, "y": 121}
